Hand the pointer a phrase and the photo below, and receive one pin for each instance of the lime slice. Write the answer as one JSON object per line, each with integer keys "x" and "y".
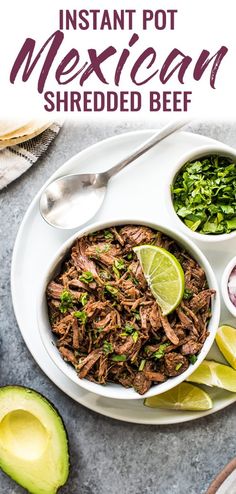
{"x": 164, "y": 276}
{"x": 214, "y": 374}
{"x": 183, "y": 397}
{"x": 226, "y": 341}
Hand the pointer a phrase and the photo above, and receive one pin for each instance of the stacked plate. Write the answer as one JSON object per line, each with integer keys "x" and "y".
{"x": 12, "y": 133}
{"x": 139, "y": 192}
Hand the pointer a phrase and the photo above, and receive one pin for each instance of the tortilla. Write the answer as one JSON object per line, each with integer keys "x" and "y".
{"x": 27, "y": 129}
{"x": 9, "y": 126}
{"x": 23, "y": 134}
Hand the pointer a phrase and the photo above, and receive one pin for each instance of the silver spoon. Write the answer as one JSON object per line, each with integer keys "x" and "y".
{"x": 70, "y": 201}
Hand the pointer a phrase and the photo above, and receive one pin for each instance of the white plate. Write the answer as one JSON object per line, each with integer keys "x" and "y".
{"x": 140, "y": 189}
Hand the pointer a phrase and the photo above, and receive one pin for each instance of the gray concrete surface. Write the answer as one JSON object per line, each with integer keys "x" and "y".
{"x": 107, "y": 456}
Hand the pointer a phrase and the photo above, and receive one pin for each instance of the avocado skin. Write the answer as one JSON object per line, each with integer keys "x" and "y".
{"x": 48, "y": 403}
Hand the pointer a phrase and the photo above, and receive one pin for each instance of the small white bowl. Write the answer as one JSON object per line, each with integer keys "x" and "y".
{"x": 224, "y": 286}
{"x": 200, "y": 152}
{"x": 115, "y": 390}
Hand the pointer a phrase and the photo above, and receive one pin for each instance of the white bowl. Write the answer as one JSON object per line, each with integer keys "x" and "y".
{"x": 115, "y": 390}
{"x": 220, "y": 149}
{"x": 224, "y": 286}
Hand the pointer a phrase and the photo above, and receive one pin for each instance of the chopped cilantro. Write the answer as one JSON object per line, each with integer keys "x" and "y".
{"x": 111, "y": 289}
{"x": 135, "y": 336}
{"x": 116, "y": 271}
{"x": 81, "y": 315}
{"x": 119, "y": 264}
{"x": 142, "y": 364}
{"x": 118, "y": 358}
{"x": 187, "y": 294}
{"x": 161, "y": 351}
{"x": 104, "y": 248}
{"x": 178, "y": 366}
{"x": 84, "y": 298}
{"x": 66, "y": 301}
{"x": 129, "y": 328}
{"x": 130, "y": 256}
{"x": 107, "y": 347}
{"x": 137, "y": 315}
{"x": 86, "y": 277}
{"x": 108, "y": 235}
{"x": 192, "y": 359}
{"x": 204, "y": 195}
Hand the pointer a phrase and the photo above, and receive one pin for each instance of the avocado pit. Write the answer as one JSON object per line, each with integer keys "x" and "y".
{"x": 23, "y": 435}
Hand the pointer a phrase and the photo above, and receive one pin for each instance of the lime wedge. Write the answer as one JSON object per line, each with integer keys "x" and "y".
{"x": 226, "y": 341}
{"x": 183, "y": 397}
{"x": 164, "y": 276}
{"x": 214, "y": 374}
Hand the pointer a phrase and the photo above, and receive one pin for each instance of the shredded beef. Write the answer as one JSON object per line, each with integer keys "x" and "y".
{"x": 106, "y": 321}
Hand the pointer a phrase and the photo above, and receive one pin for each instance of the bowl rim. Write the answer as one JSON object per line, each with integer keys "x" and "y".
{"x": 198, "y": 152}
{"x": 113, "y": 390}
{"x": 224, "y": 286}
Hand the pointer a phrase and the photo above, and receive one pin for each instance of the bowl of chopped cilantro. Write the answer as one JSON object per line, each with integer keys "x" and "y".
{"x": 102, "y": 311}
{"x": 203, "y": 193}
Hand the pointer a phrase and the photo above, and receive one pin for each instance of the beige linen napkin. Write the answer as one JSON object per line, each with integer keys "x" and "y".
{"x": 15, "y": 160}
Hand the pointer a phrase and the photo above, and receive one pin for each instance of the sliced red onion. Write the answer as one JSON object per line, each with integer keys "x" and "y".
{"x": 232, "y": 286}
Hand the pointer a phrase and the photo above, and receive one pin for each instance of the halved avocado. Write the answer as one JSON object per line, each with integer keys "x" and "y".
{"x": 33, "y": 441}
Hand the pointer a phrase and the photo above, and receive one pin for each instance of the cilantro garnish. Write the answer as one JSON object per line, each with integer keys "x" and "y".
{"x": 118, "y": 358}
{"x": 108, "y": 235}
{"x": 192, "y": 359}
{"x": 84, "y": 298}
{"x": 178, "y": 366}
{"x": 86, "y": 277}
{"x": 187, "y": 294}
{"x": 66, "y": 301}
{"x": 135, "y": 336}
{"x": 107, "y": 347}
{"x": 161, "y": 351}
{"x": 118, "y": 266}
{"x": 142, "y": 364}
{"x": 81, "y": 315}
{"x": 111, "y": 289}
{"x": 204, "y": 195}
{"x": 129, "y": 328}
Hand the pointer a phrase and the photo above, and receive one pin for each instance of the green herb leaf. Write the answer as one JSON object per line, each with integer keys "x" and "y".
{"x": 107, "y": 347}
{"x": 84, "y": 298}
{"x": 116, "y": 271}
{"x": 178, "y": 366}
{"x": 66, "y": 301}
{"x": 111, "y": 289}
{"x": 204, "y": 195}
{"x": 142, "y": 364}
{"x": 104, "y": 248}
{"x": 135, "y": 336}
{"x": 81, "y": 315}
{"x": 187, "y": 294}
{"x": 118, "y": 358}
{"x": 137, "y": 315}
{"x": 108, "y": 234}
{"x": 119, "y": 264}
{"x": 86, "y": 277}
{"x": 192, "y": 359}
{"x": 161, "y": 351}
{"x": 129, "y": 328}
